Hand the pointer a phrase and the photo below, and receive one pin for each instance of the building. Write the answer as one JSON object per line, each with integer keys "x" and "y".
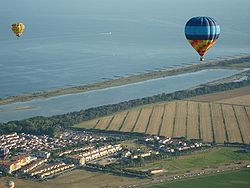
{"x": 156, "y": 171}
{"x": 33, "y": 165}
{"x": 16, "y": 163}
{"x": 97, "y": 153}
{"x": 43, "y": 155}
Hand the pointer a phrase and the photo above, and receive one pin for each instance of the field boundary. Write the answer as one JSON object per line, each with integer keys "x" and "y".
{"x": 208, "y": 121}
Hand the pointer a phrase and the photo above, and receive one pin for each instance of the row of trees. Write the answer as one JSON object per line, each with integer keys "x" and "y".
{"x": 52, "y": 125}
{"x": 117, "y": 170}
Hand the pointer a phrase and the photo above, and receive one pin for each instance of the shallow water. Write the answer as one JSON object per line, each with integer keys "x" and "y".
{"x": 75, "y": 102}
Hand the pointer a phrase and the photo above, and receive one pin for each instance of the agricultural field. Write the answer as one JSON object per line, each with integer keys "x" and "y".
{"x": 130, "y": 121}
{"x": 211, "y": 121}
{"x": 103, "y": 123}
{"x": 241, "y": 100}
{"x": 156, "y": 120}
{"x": 239, "y": 179}
{"x": 193, "y": 117}
{"x": 211, "y": 158}
{"x": 180, "y": 128}
{"x": 143, "y": 119}
{"x": 117, "y": 121}
{"x": 168, "y": 120}
{"x": 231, "y": 96}
{"x": 206, "y": 128}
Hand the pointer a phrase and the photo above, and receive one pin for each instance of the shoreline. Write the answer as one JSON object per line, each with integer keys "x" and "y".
{"x": 212, "y": 64}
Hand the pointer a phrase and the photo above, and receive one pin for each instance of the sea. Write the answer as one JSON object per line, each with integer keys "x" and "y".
{"x": 70, "y": 43}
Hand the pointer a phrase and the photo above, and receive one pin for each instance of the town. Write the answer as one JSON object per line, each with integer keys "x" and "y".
{"x": 42, "y": 157}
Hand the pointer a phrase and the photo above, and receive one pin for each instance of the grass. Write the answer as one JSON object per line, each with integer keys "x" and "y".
{"x": 207, "y": 159}
{"x": 75, "y": 179}
{"x": 239, "y": 179}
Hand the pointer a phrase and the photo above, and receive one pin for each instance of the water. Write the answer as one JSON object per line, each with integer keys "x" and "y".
{"x": 75, "y": 102}
{"x": 67, "y": 43}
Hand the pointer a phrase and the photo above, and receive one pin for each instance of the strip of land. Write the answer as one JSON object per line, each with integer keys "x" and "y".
{"x": 237, "y": 62}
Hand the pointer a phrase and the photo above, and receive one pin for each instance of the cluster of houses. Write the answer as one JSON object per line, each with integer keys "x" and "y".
{"x": 76, "y": 136}
{"x": 9, "y": 140}
{"x": 15, "y": 163}
{"x": 94, "y": 154}
{"x": 28, "y": 142}
{"x": 34, "y": 164}
{"x": 50, "y": 169}
{"x": 136, "y": 155}
{"x": 33, "y": 167}
{"x": 30, "y": 155}
{"x": 37, "y": 161}
{"x": 171, "y": 145}
{"x": 75, "y": 150}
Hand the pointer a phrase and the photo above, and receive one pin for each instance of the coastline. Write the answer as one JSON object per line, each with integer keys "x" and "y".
{"x": 225, "y": 63}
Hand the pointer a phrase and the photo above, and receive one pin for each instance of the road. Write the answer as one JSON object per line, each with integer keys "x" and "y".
{"x": 194, "y": 173}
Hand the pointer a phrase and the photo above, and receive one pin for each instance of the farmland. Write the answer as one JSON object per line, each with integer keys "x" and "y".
{"x": 117, "y": 121}
{"x": 239, "y": 179}
{"x": 207, "y": 159}
{"x": 208, "y": 119}
{"x": 168, "y": 120}
{"x": 232, "y": 96}
{"x": 241, "y": 100}
{"x": 156, "y": 120}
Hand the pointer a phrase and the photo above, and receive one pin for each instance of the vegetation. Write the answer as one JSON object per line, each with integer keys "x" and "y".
{"x": 194, "y": 120}
{"x": 211, "y": 158}
{"x": 51, "y": 125}
{"x": 117, "y": 170}
{"x": 239, "y": 179}
{"x": 76, "y": 179}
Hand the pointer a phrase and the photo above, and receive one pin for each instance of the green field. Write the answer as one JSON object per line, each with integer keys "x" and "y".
{"x": 207, "y": 159}
{"x": 239, "y": 179}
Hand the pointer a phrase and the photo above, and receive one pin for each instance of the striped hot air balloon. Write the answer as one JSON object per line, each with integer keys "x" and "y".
{"x": 202, "y": 33}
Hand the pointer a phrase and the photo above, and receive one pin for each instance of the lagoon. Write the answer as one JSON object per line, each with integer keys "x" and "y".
{"x": 75, "y": 102}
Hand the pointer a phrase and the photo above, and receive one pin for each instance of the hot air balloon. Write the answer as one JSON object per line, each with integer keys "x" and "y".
{"x": 10, "y": 184}
{"x": 4, "y": 152}
{"x": 202, "y": 33}
{"x": 18, "y": 29}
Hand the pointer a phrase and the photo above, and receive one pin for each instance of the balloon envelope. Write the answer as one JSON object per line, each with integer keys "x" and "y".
{"x": 18, "y": 29}
{"x": 202, "y": 33}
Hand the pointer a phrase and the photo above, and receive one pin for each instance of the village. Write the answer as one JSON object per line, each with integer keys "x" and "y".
{"x": 42, "y": 157}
